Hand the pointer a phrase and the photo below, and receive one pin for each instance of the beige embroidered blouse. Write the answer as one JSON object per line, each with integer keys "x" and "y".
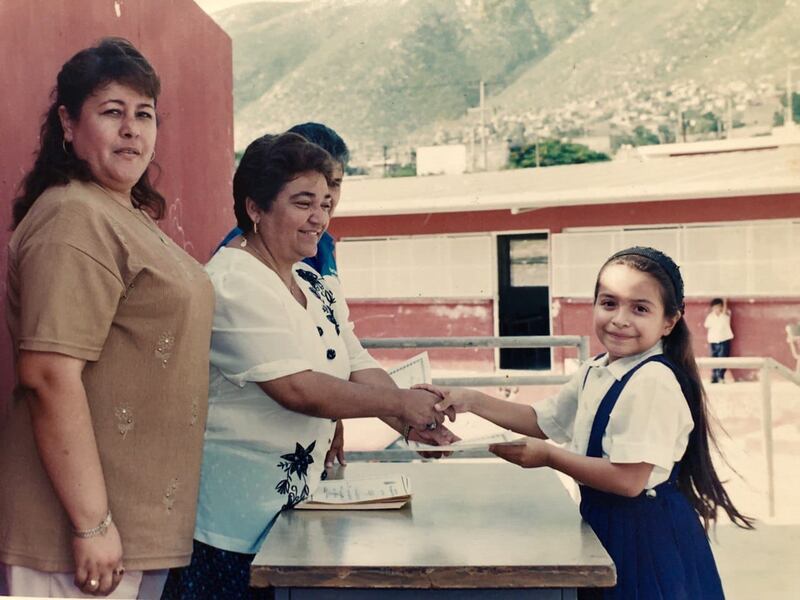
{"x": 93, "y": 279}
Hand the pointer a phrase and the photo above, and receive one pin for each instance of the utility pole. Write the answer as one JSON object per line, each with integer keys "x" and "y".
{"x": 728, "y": 117}
{"x": 483, "y": 125}
{"x": 472, "y": 160}
{"x": 788, "y": 119}
{"x": 683, "y": 126}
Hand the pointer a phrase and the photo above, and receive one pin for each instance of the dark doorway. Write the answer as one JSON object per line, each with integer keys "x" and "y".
{"x": 524, "y": 302}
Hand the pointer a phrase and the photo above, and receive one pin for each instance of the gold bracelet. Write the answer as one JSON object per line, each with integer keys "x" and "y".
{"x": 406, "y": 432}
{"x": 94, "y": 531}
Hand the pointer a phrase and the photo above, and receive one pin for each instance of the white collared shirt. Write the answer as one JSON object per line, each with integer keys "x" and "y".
{"x": 650, "y": 422}
{"x": 259, "y": 455}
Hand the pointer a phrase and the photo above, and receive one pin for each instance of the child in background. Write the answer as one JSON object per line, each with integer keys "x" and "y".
{"x": 720, "y": 334}
{"x": 636, "y": 423}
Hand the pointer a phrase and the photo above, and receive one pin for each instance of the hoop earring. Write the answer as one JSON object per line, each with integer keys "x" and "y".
{"x": 64, "y": 146}
{"x": 255, "y": 227}
{"x": 153, "y": 156}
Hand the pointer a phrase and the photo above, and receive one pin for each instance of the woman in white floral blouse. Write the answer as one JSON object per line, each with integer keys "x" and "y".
{"x": 284, "y": 367}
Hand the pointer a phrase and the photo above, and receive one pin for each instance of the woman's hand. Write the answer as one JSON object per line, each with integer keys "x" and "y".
{"x": 336, "y": 451}
{"x": 441, "y": 436}
{"x": 530, "y": 453}
{"x": 418, "y": 409}
{"x": 98, "y": 562}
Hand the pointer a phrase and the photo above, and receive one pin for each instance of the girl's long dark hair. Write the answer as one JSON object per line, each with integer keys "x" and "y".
{"x": 697, "y": 478}
{"x": 111, "y": 60}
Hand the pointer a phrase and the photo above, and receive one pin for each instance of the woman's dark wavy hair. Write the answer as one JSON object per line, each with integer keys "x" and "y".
{"x": 268, "y": 164}
{"x": 111, "y": 60}
{"x": 697, "y": 478}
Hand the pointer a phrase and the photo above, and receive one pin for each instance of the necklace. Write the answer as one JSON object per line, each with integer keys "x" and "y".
{"x": 292, "y": 286}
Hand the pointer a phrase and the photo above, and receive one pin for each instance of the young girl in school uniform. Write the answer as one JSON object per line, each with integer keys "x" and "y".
{"x": 636, "y": 423}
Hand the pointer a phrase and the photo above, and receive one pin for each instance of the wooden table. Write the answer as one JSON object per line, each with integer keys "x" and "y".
{"x": 475, "y": 530}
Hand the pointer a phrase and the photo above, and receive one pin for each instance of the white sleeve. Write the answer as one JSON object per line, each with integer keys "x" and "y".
{"x": 651, "y": 421}
{"x": 360, "y": 359}
{"x": 556, "y": 415}
{"x": 252, "y": 337}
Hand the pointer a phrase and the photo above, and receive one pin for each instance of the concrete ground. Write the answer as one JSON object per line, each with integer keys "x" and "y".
{"x": 763, "y": 563}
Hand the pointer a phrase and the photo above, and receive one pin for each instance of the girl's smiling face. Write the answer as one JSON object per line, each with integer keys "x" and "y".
{"x": 629, "y": 311}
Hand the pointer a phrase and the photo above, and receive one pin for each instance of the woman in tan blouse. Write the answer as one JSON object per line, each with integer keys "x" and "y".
{"x": 100, "y": 453}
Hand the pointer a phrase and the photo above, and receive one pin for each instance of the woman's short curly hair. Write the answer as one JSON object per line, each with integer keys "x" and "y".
{"x": 268, "y": 164}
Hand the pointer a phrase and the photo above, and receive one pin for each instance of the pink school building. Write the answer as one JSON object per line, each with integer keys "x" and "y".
{"x": 516, "y": 252}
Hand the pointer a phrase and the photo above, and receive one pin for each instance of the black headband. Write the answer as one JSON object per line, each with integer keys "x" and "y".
{"x": 662, "y": 260}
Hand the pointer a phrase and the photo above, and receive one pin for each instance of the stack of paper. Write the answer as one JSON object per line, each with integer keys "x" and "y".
{"x": 391, "y": 491}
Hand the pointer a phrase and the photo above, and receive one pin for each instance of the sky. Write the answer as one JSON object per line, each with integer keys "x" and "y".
{"x": 211, "y": 6}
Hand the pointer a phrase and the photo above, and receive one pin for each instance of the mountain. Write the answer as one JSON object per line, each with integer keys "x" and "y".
{"x": 390, "y": 72}
{"x": 654, "y": 45}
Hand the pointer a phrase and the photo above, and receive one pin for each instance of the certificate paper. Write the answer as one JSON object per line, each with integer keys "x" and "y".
{"x": 416, "y": 369}
{"x": 481, "y": 443}
{"x": 390, "y": 491}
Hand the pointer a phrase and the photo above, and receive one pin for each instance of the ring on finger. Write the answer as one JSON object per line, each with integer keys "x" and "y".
{"x": 431, "y": 426}
{"x": 93, "y": 584}
{"x": 119, "y": 571}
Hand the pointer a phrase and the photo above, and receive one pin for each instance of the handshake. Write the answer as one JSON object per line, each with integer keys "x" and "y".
{"x": 425, "y": 415}
{"x": 449, "y": 401}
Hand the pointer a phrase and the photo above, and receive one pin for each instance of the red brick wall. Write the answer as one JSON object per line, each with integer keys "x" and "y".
{"x": 427, "y": 318}
{"x": 758, "y": 322}
{"x": 191, "y": 54}
{"x": 709, "y": 210}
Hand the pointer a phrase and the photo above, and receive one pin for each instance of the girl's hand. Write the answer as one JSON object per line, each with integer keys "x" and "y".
{"x": 453, "y": 400}
{"x": 98, "y": 562}
{"x": 456, "y": 400}
{"x": 530, "y": 453}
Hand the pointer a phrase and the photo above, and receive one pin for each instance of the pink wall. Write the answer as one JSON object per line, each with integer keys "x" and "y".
{"x": 758, "y": 326}
{"x": 191, "y": 54}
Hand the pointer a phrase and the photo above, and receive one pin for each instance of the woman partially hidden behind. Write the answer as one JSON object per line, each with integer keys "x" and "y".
{"x": 100, "y": 454}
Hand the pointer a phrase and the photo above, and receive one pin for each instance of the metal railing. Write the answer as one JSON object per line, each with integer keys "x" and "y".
{"x": 765, "y": 365}
{"x": 529, "y": 341}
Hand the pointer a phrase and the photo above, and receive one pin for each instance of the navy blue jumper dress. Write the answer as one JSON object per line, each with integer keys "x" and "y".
{"x": 656, "y": 540}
